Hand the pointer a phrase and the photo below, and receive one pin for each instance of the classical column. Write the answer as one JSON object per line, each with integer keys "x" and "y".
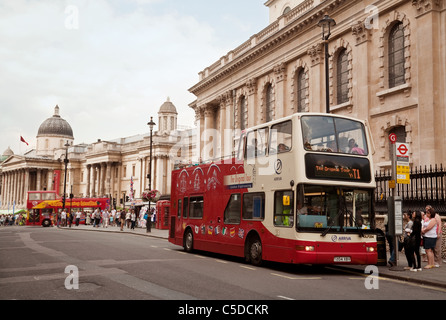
{"x": 39, "y": 180}
{"x": 160, "y": 173}
{"x": 209, "y": 139}
{"x": 317, "y": 79}
{"x": 108, "y": 178}
{"x": 26, "y": 187}
{"x": 361, "y": 61}
{"x": 102, "y": 180}
{"x": 254, "y": 114}
{"x": 280, "y": 101}
{"x": 200, "y": 125}
{"x": 87, "y": 190}
{"x": 20, "y": 186}
{"x": 93, "y": 181}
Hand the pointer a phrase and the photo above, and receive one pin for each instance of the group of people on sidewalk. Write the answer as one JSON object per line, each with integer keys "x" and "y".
{"x": 421, "y": 241}
{"x": 12, "y": 219}
{"x": 122, "y": 218}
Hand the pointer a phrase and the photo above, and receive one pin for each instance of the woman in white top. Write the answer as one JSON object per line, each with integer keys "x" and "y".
{"x": 429, "y": 232}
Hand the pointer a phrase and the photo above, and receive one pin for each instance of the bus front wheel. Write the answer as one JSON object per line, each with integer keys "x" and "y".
{"x": 46, "y": 223}
{"x": 188, "y": 241}
{"x": 254, "y": 252}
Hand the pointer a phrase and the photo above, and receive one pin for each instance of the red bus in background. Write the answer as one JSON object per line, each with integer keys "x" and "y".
{"x": 42, "y": 206}
{"x": 300, "y": 191}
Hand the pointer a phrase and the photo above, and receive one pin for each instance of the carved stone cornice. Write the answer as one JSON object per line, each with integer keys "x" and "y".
{"x": 426, "y": 6}
{"x": 280, "y": 71}
{"x": 251, "y": 84}
{"x": 315, "y": 53}
{"x": 361, "y": 32}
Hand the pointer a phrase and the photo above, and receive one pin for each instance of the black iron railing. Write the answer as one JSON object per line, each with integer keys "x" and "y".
{"x": 427, "y": 186}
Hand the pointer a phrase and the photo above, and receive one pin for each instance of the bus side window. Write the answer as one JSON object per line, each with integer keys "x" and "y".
{"x": 185, "y": 207}
{"x": 281, "y": 138}
{"x": 179, "y": 208}
{"x": 284, "y": 208}
{"x": 196, "y": 206}
{"x": 233, "y": 209}
{"x": 254, "y": 206}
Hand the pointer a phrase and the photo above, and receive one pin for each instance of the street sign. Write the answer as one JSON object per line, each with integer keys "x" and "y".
{"x": 402, "y": 163}
{"x": 392, "y": 138}
{"x": 402, "y": 150}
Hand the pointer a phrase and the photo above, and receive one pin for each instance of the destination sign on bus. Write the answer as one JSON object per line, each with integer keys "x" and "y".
{"x": 337, "y": 168}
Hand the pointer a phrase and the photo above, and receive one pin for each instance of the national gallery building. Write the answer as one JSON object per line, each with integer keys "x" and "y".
{"x": 100, "y": 169}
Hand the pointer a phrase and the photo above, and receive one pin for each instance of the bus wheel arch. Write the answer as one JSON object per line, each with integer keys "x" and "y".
{"x": 253, "y": 248}
{"x": 188, "y": 240}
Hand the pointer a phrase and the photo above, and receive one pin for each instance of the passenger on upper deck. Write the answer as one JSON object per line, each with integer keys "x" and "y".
{"x": 353, "y": 147}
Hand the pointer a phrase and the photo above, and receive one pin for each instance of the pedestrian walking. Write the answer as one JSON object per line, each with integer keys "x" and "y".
{"x": 413, "y": 248}
{"x": 149, "y": 220}
{"x": 437, "y": 249}
{"x": 63, "y": 217}
{"x": 406, "y": 238}
{"x": 429, "y": 232}
{"x": 122, "y": 218}
{"x": 391, "y": 241}
{"x": 97, "y": 218}
{"x": 78, "y": 217}
{"x": 133, "y": 219}
{"x": 105, "y": 218}
{"x": 127, "y": 219}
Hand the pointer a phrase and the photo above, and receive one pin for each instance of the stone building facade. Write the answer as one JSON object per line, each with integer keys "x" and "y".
{"x": 387, "y": 65}
{"x": 99, "y": 169}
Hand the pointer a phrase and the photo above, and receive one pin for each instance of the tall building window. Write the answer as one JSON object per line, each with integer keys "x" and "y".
{"x": 342, "y": 77}
{"x": 396, "y": 56}
{"x": 269, "y": 97}
{"x": 243, "y": 113}
{"x": 301, "y": 91}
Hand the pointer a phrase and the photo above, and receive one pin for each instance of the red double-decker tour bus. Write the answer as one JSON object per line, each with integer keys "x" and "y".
{"x": 300, "y": 191}
{"x": 44, "y": 205}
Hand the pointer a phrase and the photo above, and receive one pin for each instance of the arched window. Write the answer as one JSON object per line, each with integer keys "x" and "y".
{"x": 242, "y": 113}
{"x": 396, "y": 56}
{"x": 286, "y": 10}
{"x": 269, "y": 97}
{"x": 301, "y": 91}
{"x": 342, "y": 77}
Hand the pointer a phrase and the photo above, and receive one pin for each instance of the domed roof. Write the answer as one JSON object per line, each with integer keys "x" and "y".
{"x": 8, "y": 152}
{"x": 168, "y": 107}
{"x": 55, "y": 126}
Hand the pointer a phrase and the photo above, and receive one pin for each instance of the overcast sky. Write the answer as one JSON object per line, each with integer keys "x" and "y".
{"x": 110, "y": 64}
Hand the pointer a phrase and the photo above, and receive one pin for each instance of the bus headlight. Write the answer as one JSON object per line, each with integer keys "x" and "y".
{"x": 371, "y": 249}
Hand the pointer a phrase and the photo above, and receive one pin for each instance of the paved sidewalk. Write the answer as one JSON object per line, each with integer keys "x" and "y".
{"x": 430, "y": 277}
{"x": 155, "y": 233}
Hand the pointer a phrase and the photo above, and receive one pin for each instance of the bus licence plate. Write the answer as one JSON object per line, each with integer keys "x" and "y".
{"x": 342, "y": 259}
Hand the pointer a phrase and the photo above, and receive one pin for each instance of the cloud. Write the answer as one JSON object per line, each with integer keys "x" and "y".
{"x": 109, "y": 65}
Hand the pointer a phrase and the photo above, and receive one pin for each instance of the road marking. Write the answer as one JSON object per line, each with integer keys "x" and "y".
{"x": 221, "y": 261}
{"x": 249, "y": 268}
{"x": 295, "y": 278}
{"x": 285, "y": 298}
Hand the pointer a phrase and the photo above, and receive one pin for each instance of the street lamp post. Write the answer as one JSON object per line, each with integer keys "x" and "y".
{"x": 65, "y": 180}
{"x": 326, "y": 24}
{"x": 151, "y": 124}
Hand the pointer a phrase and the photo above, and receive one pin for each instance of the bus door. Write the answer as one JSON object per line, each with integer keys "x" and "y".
{"x": 34, "y": 217}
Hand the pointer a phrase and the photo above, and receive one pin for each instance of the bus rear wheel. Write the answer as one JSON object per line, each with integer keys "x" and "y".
{"x": 188, "y": 241}
{"x": 254, "y": 251}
